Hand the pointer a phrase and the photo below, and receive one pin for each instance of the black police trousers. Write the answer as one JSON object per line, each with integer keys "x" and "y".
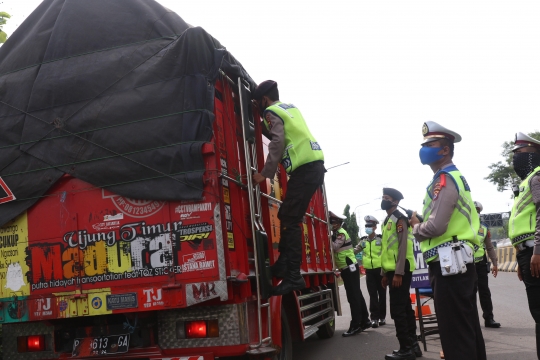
{"x": 532, "y": 284}
{"x": 357, "y": 303}
{"x": 377, "y": 294}
{"x": 457, "y": 313}
{"x": 483, "y": 289}
{"x": 302, "y": 184}
{"x": 401, "y": 308}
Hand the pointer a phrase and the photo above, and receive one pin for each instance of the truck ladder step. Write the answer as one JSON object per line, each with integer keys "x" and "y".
{"x": 263, "y": 350}
{"x": 315, "y": 304}
{"x": 312, "y": 329}
{"x": 317, "y": 314}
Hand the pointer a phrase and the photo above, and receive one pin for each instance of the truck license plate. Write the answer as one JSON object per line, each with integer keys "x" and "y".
{"x": 104, "y": 345}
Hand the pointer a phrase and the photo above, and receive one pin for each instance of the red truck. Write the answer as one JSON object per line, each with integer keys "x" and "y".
{"x": 88, "y": 273}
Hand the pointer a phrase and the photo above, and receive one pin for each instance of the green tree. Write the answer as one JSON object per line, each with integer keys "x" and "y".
{"x": 502, "y": 173}
{"x": 350, "y": 225}
{"x": 3, "y": 19}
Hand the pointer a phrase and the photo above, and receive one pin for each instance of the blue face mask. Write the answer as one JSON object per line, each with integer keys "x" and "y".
{"x": 428, "y": 155}
{"x": 369, "y": 231}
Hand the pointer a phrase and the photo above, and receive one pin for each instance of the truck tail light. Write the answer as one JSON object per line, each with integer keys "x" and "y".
{"x": 195, "y": 329}
{"x": 31, "y": 343}
{"x": 198, "y": 329}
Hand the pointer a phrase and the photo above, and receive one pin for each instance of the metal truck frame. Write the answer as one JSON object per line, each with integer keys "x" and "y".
{"x": 89, "y": 274}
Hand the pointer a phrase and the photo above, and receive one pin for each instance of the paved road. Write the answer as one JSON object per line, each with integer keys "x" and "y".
{"x": 514, "y": 340}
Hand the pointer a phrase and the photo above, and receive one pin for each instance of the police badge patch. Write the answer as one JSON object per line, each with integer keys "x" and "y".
{"x": 465, "y": 184}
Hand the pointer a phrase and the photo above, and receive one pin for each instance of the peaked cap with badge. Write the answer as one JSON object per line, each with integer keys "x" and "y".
{"x": 369, "y": 219}
{"x": 433, "y": 132}
{"x": 335, "y": 218}
{"x": 524, "y": 140}
{"x": 395, "y": 194}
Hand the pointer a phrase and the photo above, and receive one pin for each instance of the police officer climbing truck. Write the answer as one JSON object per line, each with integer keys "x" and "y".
{"x": 398, "y": 263}
{"x": 524, "y": 222}
{"x": 448, "y": 238}
{"x": 350, "y": 273}
{"x": 292, "y": 144}
{"x": 371, "y": 246}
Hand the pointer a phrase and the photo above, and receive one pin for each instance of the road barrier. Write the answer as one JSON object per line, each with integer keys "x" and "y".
{"x": 506, "y": 256}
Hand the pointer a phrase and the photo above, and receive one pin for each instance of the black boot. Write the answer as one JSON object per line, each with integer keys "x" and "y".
{"x": 353, "y": 330}
{"x": 279, "y": 269}
{"x": 375, "y": 323}
{"x": 538, "y": 340}
{"x": 292, "y": 281}
{"x": 404, "y": 353}
{"x": 415, "y": 348}
{"x": 491, "y": 323}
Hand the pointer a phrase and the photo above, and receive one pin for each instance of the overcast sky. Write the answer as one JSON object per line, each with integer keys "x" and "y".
{"x": 367, "y": 74}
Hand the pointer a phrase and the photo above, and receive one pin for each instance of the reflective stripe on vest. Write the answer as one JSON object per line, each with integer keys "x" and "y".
{"x": 300, "y": 146}
{"x": 371, "y": 258}
{"x": 345, "y": 251}
{"x": 464, "y": 221}
{"x": 522, "y": 223}
{"x": 482, "y": 233}
{"x": 390, "y": 245}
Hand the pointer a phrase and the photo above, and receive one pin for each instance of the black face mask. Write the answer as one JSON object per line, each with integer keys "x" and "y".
{"x": 386, "y": 204}
{"x": 524, "y": 163}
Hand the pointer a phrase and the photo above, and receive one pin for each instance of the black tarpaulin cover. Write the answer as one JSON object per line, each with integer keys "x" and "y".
{"x": 118, "y": 93}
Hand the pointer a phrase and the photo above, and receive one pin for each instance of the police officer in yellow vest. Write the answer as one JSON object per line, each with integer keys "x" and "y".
{"x": 397, "y": 262}
{"x": 371, "y": 246}
{"x": 350, "y": 273}
{"x": 483, "y": 269}
{"x": 296, "y": 149}
{"x": 448, "y": 238}
{"x": 524, "y": 224}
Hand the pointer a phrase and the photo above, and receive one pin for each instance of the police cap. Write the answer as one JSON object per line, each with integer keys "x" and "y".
{"x": 335, "y": 219}
{"x": 396, "y": 195}
{"x": 433, "y": 132}
{"x": 523, "y": 140}
{"x": 478, "y": 205}
{"x": 370, "y": 220}
{"x": 263, "y": 89}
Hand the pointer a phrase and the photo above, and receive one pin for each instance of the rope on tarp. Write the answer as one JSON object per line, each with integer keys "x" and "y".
{"x": 103, "y": 128}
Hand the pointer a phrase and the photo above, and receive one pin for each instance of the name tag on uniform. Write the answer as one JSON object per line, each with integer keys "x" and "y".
{"x": 378, "y": 242}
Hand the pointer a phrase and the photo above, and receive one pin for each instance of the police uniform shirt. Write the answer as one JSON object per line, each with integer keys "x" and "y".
{"x": 403, "y": 238}
{"x": 535, "y": 190}
{"x": 358, "y": 248}
{"x": 339, "y": 241}
{"x": 490, "y": 250}
{"x": 277, "y": 144}
{"x": 445, "y": 199}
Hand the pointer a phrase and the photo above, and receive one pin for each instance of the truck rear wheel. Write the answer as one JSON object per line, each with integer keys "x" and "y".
{"x": 286, "y": 339}
{"x": 327, "y": 330}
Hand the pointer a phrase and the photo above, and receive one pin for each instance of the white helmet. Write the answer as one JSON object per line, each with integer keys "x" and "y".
{"x": 478, "y": 205}
{"x": 371, "y": 219}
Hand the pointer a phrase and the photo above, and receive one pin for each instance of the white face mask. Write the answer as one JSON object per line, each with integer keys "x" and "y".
{"x": 369, "y": 231}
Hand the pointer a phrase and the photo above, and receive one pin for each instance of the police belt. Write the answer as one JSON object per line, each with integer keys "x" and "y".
{"x": 519, "y": 238}
{"x": 346, "y": 246}
{"x": 524, "y": 245}
{"x": 435, "y": 251}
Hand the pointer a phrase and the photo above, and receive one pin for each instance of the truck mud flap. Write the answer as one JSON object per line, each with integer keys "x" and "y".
{"x": 262, "y": 259}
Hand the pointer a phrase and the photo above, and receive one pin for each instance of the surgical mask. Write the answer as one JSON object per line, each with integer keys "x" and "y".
{"x": 524, "y": 163}
{"x": 369, "y": 231}
{"x": 429, "y": 155}
{"x": 386, "y": 204}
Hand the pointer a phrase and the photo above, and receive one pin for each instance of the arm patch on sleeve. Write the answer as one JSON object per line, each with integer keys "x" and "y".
{"x": 399, "y": 226}
{"x": 436, "y": 190}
